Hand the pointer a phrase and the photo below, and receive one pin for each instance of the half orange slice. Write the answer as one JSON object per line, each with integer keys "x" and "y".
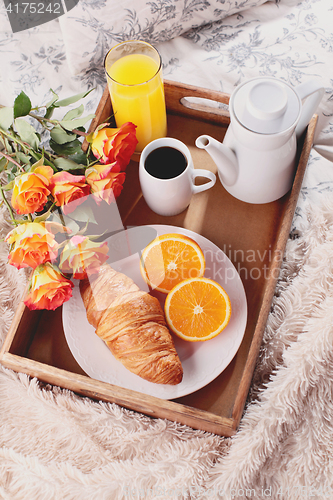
{"x": 197, "y": 309}
{"x": 169, "y": 259}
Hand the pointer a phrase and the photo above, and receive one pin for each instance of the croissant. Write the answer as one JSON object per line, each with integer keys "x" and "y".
{"x": 131, "y": 322}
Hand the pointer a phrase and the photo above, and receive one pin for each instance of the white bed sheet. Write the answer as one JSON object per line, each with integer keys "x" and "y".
{"x": 291, "y": 40}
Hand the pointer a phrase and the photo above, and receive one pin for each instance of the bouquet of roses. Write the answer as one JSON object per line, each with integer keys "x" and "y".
{"x": 44, "y": 187}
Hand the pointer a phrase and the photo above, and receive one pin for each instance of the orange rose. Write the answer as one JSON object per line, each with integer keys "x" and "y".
{"x": 115, "y": 144}
{"x": 31, "y": 190}
{"x": 105, "y": 181}
{"x": 82, "y": 257}
{"x": 49, "y": 289}
{"x": 69, "y": 190}
{"x": 33, "y": 244}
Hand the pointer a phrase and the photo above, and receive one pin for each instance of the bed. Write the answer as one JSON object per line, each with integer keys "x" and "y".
{"x": 57, "y": 445}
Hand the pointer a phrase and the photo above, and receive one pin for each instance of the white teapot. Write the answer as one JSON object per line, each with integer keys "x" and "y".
{"x": 256, "y": 162}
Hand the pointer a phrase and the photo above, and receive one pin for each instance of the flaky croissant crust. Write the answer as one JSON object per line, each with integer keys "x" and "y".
{"x": 131, "y": 322}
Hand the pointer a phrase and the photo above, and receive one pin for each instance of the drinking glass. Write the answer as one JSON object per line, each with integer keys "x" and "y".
{"x": 134, "y": 75}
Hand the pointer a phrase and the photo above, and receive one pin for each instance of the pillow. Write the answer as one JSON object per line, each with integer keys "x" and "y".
{"x": 92, "y": 27}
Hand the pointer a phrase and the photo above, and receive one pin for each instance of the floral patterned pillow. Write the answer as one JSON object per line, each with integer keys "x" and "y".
{"x": 103, "y": 23}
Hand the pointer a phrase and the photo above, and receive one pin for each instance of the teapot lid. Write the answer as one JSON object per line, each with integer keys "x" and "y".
{"x": 266, "y": 105}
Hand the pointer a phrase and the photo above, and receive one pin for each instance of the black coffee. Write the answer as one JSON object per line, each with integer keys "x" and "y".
{"x": 165, "y": 162}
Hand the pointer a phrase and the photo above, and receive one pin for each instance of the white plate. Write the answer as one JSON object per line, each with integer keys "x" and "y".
{"x": 202, "y": 361}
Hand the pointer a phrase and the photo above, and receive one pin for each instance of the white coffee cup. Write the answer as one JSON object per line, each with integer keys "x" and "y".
{"x": 169, "y": 184}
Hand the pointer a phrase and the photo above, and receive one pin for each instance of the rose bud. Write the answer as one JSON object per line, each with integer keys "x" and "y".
{"x": 69, "y": 190}
{"x": 105, "y": 181}
{"x": 33, "y": 243}
{"x": 48, "y": 289}
{"x": 114, "y": 144}
{"x": 83, "y": 257}
{"x": 31, "y": 190}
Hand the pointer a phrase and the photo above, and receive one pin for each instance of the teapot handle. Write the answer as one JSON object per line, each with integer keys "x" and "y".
{"x": 313, "y": 92}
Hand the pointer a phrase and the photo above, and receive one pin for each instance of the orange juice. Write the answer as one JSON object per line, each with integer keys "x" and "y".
{"x": 137, "y": 95}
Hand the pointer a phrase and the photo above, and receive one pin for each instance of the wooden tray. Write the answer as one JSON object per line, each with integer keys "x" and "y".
{"x": 252, "y": 236}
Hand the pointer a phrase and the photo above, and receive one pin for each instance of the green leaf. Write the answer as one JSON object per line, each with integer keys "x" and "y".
{"x": 60, "y": 136}
{"x": 38, "y": 163}
{"x": 90, "y": 136}
{"x": 96, "y": 237}
{"x": 20, "y": 221}
{"x": 73, "y": 99}
{"x": 43, "y": 217}
{"x": 8, "y": 186}
{"x": 22, "y": 158}
{"x": 49, "y": 112}
{"x": 3, "y": 164}
{"x": 11, "y": 174}
{"x": 27, "y": 132}
{"x": 8, "y": 146}
{"x": 6, "y": 117}
{"x": 79, "y": 157}
{"x": 55, "y": 97}
{"x": 72, "y": 124}
{"x": 69, "y": 148}
{"x": 66, "y": 164}
{"x": 22, "y": 105}
{"x": 74, "y": 113}
{"x": 83, "y": 213}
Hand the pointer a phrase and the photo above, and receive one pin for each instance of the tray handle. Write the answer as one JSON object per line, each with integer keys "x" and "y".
{"x": 196, "y": 102}
{"x": 177, "y": 98}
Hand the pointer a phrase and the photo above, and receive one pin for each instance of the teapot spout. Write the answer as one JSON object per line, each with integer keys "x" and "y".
{"x": 224, "y": 158}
